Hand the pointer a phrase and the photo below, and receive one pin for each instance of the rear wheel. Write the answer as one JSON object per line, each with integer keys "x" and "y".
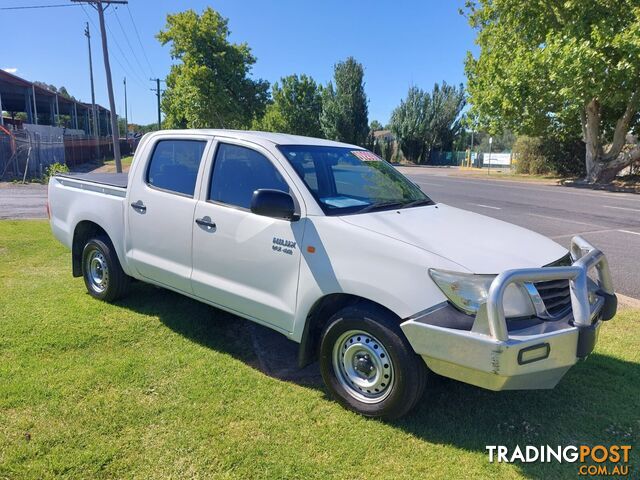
{"x": 368, "y": 364}
{"x": 101, "y": 270}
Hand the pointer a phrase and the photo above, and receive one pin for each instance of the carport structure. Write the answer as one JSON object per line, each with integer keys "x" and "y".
{"x": 44, "y": 107}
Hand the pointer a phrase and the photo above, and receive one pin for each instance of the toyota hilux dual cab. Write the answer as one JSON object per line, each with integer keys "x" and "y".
{"x": 331, "y": 246}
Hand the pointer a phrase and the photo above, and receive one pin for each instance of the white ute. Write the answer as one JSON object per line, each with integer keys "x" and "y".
{"x": 332, "y": 247}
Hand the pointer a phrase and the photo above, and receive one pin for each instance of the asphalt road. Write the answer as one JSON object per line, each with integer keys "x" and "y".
{"x": 23, "y": 201}
{"x": 610, "y": 221}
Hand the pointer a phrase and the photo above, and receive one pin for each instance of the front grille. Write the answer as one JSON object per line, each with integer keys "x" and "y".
{"x": 556, "y": 294}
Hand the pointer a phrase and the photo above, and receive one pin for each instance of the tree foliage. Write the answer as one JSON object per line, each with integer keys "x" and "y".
{"x": 375, "y": 125}
{"x": 560, "y": 69}
{"x": 344, "y": 106}
{"x": 424, "y": 121}
{"x": 210, "y": 86}
{"x": 296, "y": 107}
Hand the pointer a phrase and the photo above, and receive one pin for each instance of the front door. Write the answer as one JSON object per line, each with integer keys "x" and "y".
{"x": 161, "y": 206}
{"x": 245, "y": 262}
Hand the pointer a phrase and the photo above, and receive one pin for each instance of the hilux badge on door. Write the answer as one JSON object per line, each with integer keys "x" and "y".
{"x": 284, "y": 246}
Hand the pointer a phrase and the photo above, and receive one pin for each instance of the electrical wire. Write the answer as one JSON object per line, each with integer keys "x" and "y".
{"x": 135, "y": 28}
{"x": 126, "y": 37}
{"x": 124, "y": 69}
{"x": 26, "y": 7}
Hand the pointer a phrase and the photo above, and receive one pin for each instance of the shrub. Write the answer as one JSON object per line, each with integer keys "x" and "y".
{"x": 544, "y": 155}
{"x": 565, "y": 157}
{"x": 529, "y": 155}
{"x": 53, "y": 169}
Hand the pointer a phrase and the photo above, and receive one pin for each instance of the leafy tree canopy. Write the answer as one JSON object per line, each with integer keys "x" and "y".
{"x": 424, "y": 121}
{"x": 562, "y": 68}
{"x": 296, "y": 107}
{"x": 375, "y": 125}
{"x": 344, "y": 107}
{"x": 210, "y": 86}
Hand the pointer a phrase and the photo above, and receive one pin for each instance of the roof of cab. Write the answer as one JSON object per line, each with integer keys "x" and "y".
{"x": 261, "y": 137}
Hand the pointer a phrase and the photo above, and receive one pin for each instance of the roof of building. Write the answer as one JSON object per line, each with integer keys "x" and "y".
{"x": 13, "y": 97}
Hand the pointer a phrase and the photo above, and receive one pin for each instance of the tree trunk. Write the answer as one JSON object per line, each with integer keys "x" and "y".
{"x": 606, "y": 171}
{"x": 591, "y": 132}
{"x": 602, "y": 167}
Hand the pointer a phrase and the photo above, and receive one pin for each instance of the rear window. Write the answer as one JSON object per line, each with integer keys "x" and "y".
{"x": 174, "y": 165}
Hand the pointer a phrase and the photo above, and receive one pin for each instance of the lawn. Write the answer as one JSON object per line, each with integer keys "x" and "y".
{"x": 159, "y": 386}
{"x": 110, "y": 165}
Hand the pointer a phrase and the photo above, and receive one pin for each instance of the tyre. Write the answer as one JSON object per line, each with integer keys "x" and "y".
{"x": 368, "y": 365}
{"x": 101, "y": 270}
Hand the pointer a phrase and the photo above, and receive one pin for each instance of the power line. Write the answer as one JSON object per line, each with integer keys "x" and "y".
{"x": 98, "y": 5}
{"x": 126, "y": 37}
{"x": 114, "y": 56}
{"x": 135, "y": 28}
{"x": 134, "y": 75}
{"x": 25, "y": 7}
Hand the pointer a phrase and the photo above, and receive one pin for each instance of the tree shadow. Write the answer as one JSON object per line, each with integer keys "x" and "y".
{"x": 597, "y": 402}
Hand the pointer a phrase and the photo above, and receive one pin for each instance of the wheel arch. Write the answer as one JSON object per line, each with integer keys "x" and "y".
{"x": 318, "y": 317}
{"x": 83, "y": 231}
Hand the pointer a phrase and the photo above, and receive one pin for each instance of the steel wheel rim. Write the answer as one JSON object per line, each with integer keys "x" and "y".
{"x": 97, "y": 271}
{"x": 363, "y": 366}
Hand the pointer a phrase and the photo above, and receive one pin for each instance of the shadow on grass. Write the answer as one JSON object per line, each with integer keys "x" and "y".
{"x": 597, "y": 402}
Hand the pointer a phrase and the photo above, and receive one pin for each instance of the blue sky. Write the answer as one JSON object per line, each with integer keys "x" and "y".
{"x": 400, "y": 43}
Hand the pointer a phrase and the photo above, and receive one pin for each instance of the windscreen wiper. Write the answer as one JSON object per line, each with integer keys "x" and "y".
{"x": 419, "y": 203}
{"x": 380, "y": 206}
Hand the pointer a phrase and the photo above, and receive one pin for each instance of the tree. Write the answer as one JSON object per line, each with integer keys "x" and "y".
{"x": 424, "y": 121}
{"x": 375, "y": 125}
{"x": 409, "y": 125}
{"x": 296, "y": 107}
{"x": 344, "y": 107}
{"x": 560, "y": 69}
{"x": 210, "y": 86}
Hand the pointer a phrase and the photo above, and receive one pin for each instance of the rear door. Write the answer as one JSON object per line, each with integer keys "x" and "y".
{"x": 161, "y": 205}
{"x": 245, "y": 262}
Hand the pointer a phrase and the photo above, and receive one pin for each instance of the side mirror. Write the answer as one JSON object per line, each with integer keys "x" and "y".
{"x": 273, "y": 203}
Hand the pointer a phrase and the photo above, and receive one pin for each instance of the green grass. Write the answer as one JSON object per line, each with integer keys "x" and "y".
{"x": 159, "y": 386}
{"x": 110, "y": 165}
{"x": 506, "y": 174}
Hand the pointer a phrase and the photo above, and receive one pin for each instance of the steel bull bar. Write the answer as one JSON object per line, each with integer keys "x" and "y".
{"x": 496, "y": 355}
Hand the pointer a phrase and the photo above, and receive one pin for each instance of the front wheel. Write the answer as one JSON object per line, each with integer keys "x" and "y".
{"x": 368, "y": 364}
{"x": 101, "y": 270}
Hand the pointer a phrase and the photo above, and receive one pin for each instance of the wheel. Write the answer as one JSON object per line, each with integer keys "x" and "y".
{"x": 101, "y": 270}
{"x": 368, "y": 364}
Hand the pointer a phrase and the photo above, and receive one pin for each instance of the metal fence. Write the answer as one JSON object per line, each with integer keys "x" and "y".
{"x": 27, "y": 154}
{"x": 447, "y": 158}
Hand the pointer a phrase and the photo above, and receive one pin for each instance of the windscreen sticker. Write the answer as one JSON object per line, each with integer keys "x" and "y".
{"x": 366, "y": 156}
{"x": 342, "y": 202}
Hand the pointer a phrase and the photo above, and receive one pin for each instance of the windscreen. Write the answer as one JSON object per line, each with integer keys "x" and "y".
{"x": 345, "y": 180}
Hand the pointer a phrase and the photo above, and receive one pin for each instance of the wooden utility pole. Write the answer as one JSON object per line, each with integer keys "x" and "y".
{"x": 99, "y": 5}
{"x": 94, "y": 118}
{"x": 157, "y": 80}
{"x": 126, "y": 117}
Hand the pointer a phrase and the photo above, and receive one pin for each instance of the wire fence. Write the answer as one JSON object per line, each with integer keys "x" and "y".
{"x": 27, "y": 154}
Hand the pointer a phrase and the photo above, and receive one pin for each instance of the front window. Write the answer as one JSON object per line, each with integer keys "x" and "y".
{"x": 346, "y": 180}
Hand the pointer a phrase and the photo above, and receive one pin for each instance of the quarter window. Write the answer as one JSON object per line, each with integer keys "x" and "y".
{"x": 240, "y": 171}
{"x": 174, "y": 165}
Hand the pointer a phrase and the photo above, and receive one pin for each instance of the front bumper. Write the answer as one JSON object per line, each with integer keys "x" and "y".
{"x": 500, "y": 354}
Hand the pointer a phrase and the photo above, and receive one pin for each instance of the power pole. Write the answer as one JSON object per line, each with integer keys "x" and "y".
{"x": 94, "y": 120}
{"x": 157, "y": 80}
{"x": 126, "y": 116}
{"x": 98, "y": 5}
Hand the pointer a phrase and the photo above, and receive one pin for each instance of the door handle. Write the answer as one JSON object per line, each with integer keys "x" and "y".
{"x": 206, "y": 223}
{"x": 139, "y": 206}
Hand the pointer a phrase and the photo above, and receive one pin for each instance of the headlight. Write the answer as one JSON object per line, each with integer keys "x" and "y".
{"x": 468, "y": 292}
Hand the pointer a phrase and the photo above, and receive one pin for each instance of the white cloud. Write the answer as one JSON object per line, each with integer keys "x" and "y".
{"x": 10, "y": 69}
